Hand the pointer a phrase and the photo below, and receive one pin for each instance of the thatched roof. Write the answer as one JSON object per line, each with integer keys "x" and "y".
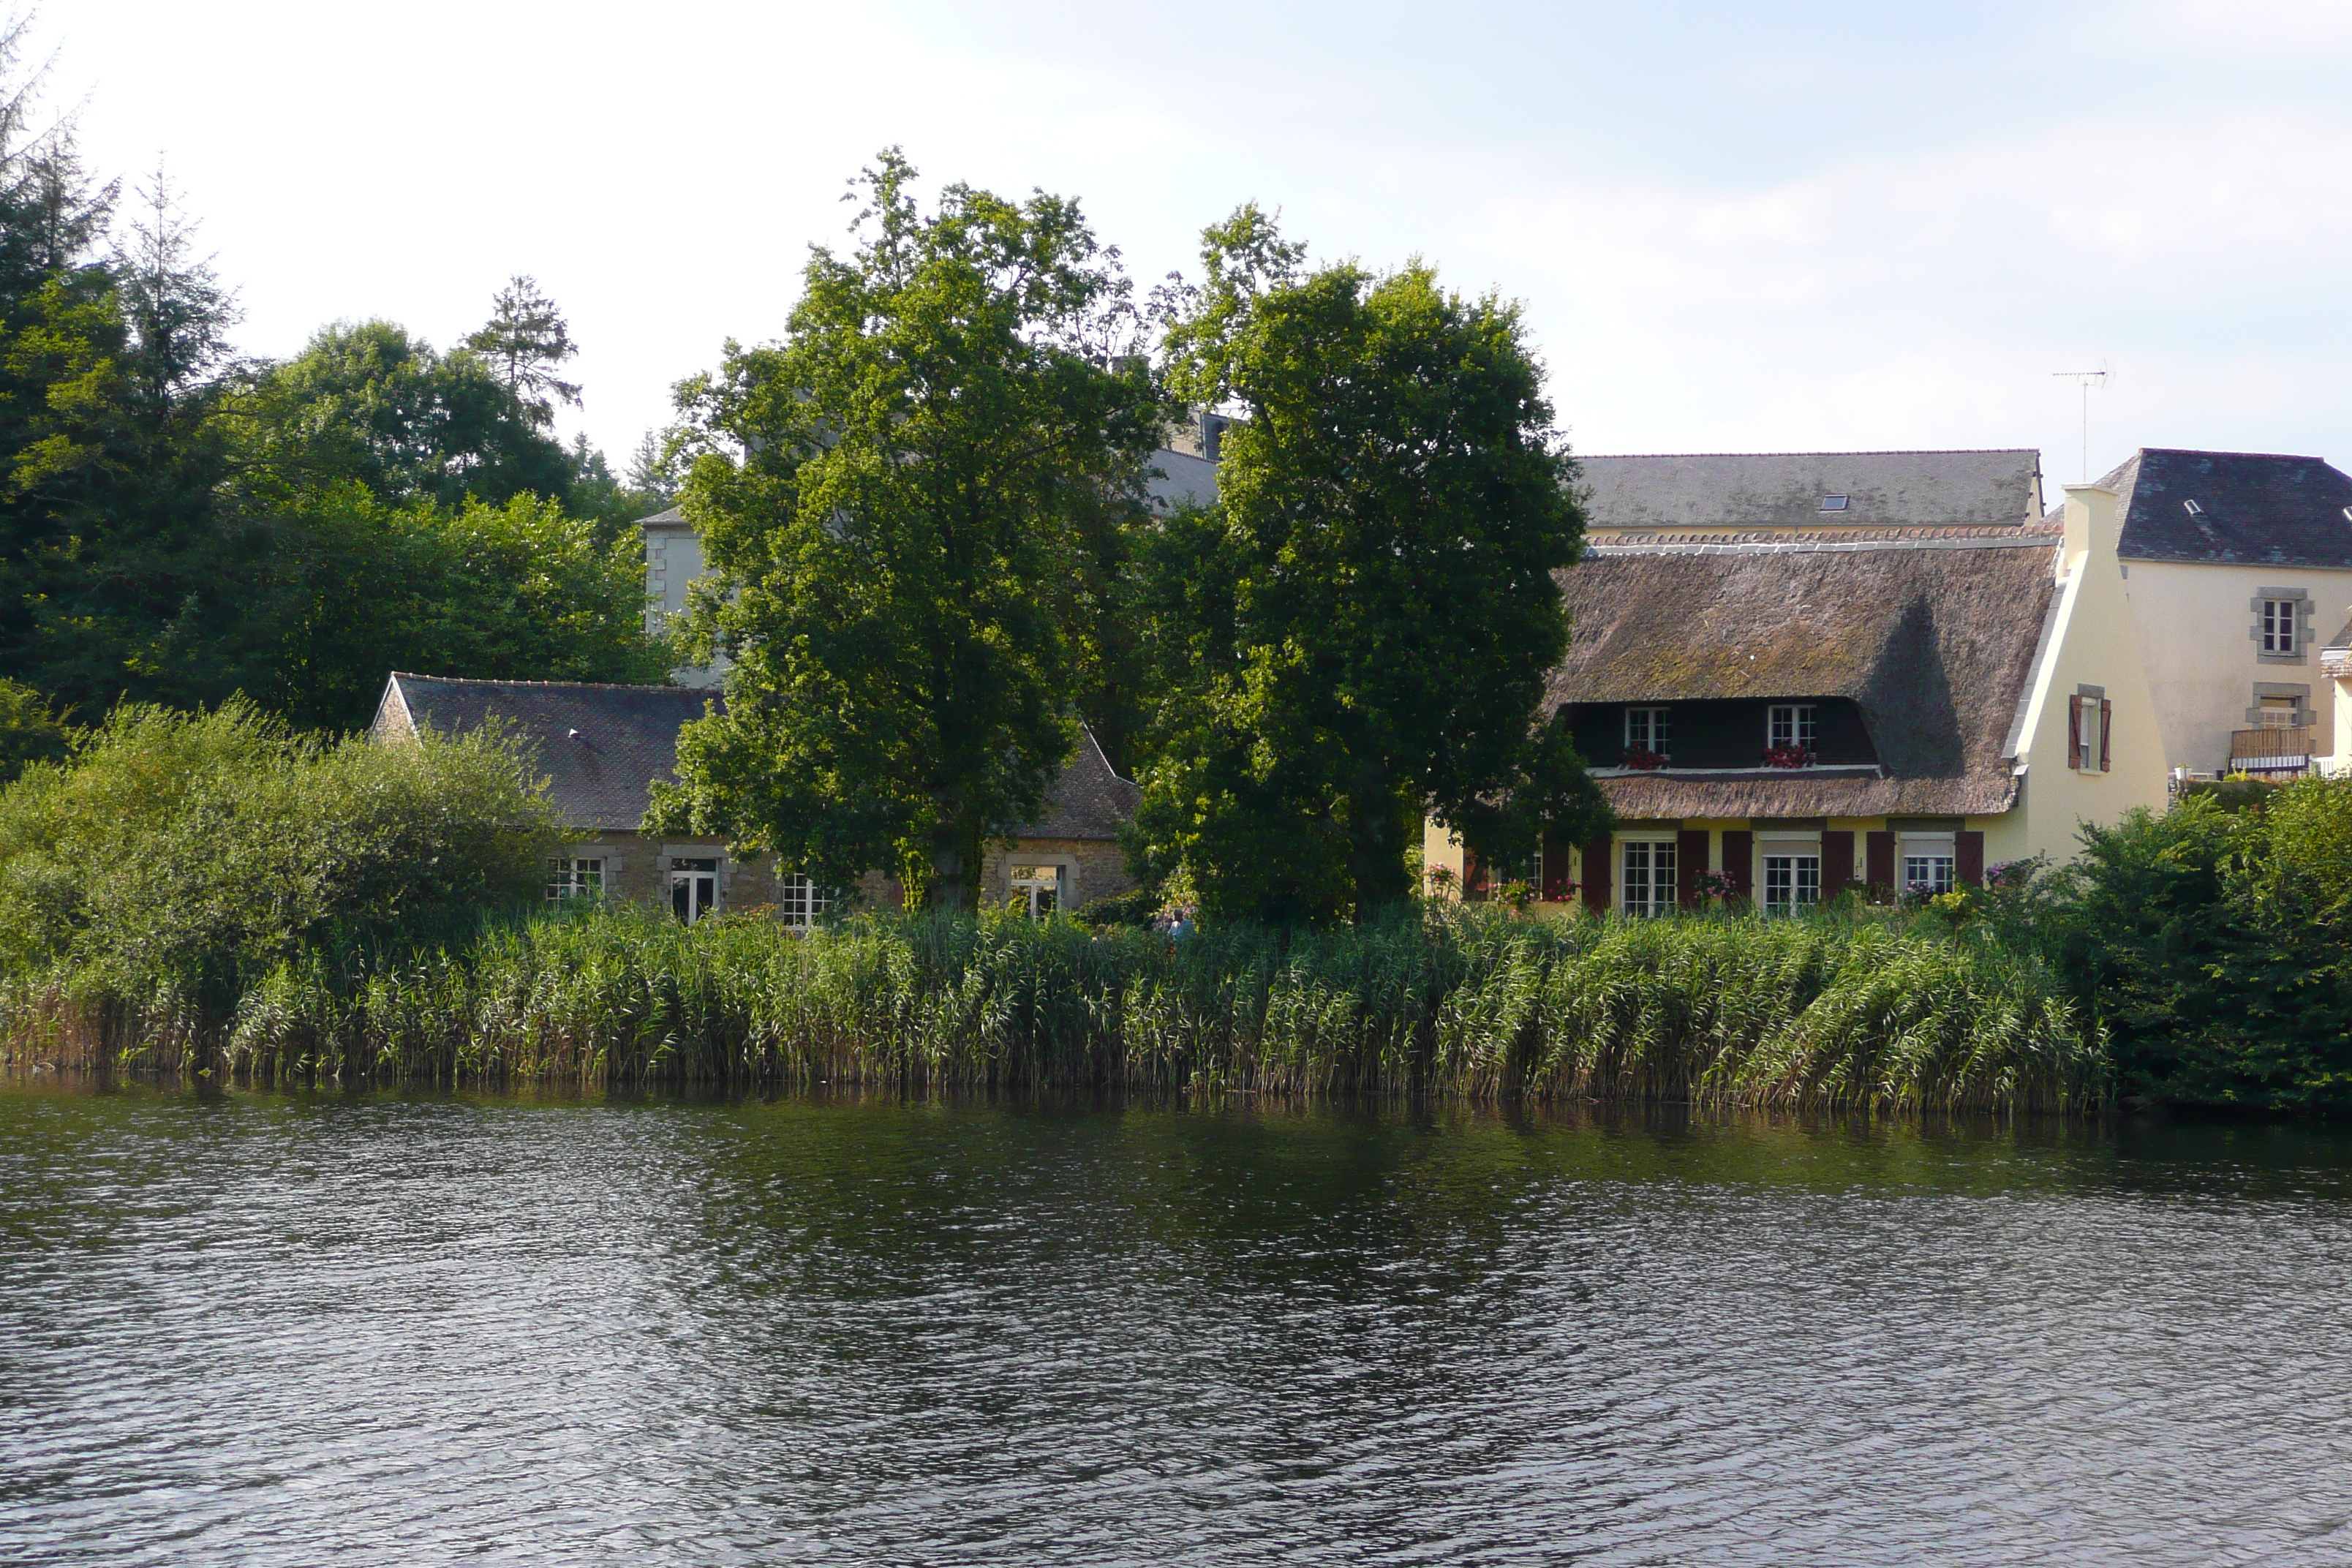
{"x": 2251, "y": 507}
{"x": 1814, "y": 489}
{"x": 1932, "y": 640}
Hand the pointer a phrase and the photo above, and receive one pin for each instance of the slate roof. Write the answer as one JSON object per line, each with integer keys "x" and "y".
{"x": 601, "y": 747}
{"x": 1785, "y": 489}
{"x": 2253, "y": 508}
{"x": 1175, "y": 478}
{"x": 1087, "y": 800}
{"x": 1932, "y": 640}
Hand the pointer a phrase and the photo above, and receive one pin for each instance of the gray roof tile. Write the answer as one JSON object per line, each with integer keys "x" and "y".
{"x": 2253, "y": 508}
{"x": 1785, "y": 489}
{"x": 602, "y": 747}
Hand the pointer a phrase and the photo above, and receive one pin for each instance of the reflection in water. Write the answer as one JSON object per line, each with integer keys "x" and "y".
{"x": 277, "y": 1329}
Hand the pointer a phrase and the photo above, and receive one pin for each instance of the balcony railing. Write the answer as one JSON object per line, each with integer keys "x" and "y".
{"x": 2271, "y": 751}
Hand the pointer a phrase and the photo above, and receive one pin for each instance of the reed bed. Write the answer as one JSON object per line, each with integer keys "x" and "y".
{"x": 1826, "y": 1012}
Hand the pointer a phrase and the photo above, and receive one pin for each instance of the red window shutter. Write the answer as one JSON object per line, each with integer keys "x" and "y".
{"x": 1596, "y": 876}
{"x": 1880, "y": 853}
{"x": 1837, "y": 864}
{"x": 1739, "y": 861}
{"x": 2106, "y": 723}
{"x": 1471, "y": 871}
{"x": 1967, "y": 858}
{"x": 1555, "y": 879}
{"x": 2073, "y": 732}
{"x": 1690, "y": 864}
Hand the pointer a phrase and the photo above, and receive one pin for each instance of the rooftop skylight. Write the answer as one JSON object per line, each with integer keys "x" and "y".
{"x": 1833, "y": 503}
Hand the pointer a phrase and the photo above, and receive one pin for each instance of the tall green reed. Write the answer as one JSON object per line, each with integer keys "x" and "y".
{"x": 1820, "y": 1012}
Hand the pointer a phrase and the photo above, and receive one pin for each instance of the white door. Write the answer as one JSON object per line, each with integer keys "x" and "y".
{"x": 693, "y": 889}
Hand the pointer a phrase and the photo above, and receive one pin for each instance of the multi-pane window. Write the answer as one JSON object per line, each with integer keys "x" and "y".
{"x": 1791, "y": 882}
{"x": 800, "y": 902}
{"x": 1649, "y": 879}
{"x": 1039, "y": 887}
{"x": 569, "y": 876}
{"x": 1646, "y": 729}
{"x": 2278, "y": 712}
{"x": 1790, "y": 726}
{"x": 1927, "y": 872}
{"x": 2278, "y": 625}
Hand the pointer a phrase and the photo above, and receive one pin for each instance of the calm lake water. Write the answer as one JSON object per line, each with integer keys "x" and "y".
{"x": 412, "y": 1329}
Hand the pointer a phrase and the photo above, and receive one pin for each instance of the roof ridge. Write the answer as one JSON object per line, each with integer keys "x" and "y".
{"x": 2006, "y": 539}
{"x": 1867, "y": 452}
{"x": 2224, "y": 452}
{"x": 544, "y": 685}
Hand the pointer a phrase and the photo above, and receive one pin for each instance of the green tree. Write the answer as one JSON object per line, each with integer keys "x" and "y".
{"x": 368, "y": 401}
{"x": 357, "y": 588}
{"x": 524, "y": 340}
{"x": 115, "y": 576}
{"x": 889, "y": 502}
{"x": 1356, "y": 635}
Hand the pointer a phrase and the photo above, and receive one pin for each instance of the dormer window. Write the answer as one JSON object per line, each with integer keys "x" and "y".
{"x": 1833, "y": 503}
{"x": 1791, "y": 727}
{"x": 1647, "y": 730}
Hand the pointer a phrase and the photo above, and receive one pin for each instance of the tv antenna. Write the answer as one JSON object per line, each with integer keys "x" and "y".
{"x": 2086, "y": 379}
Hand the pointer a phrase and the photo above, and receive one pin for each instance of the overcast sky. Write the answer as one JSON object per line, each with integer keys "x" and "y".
{"x": 1736, "y": 227}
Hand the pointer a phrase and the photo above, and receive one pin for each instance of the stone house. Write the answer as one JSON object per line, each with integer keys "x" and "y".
{"x": 600, "y": 748}
{"x": 1797, "y": 672}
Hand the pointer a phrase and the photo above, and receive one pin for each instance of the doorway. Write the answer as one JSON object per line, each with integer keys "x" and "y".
{"x": 693, "y": 888}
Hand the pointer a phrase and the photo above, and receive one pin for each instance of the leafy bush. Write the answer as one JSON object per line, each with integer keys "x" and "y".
{"x": 187, "y": 855}
{"x": 2214, "y": 943}
{"x": 29, "y": 732}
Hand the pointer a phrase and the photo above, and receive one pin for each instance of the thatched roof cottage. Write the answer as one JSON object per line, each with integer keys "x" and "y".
{"x": 1796, "y": 672}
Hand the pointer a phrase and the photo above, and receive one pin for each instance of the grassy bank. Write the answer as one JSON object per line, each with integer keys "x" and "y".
{"x": 1817, "y": 1012}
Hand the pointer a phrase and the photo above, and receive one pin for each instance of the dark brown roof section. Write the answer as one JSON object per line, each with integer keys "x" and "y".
{"x": 1933, "y": 640}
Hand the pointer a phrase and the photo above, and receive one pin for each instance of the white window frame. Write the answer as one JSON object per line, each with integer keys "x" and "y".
{"x": 1796, "y": 884}
{"x": 575, "y": 877}
{"x": 1028, "y": 890}
{"x": 1798, "y": 722}
{"x": 687, "y": 868}
{"x": 1939, "y": 851}
{"x": 1651, "y": 727}
{"x": 800, "y": 901}
{"x": 2280, "y": 623}
{"x": 2095, "y": 729}
{"x": 1649, "y": 850}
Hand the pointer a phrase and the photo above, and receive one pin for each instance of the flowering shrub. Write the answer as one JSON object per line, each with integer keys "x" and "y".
{"x": 1517, "y": 896}
{"x": 1716, "y": 885}
{"x": 1442, "y": 880}
{"x": 1788, "y": 757}
{"x": 1644, "y": 759}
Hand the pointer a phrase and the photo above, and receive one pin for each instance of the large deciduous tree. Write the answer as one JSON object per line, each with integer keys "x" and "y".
{"x": 892, "y": 503}
{"x": 1357, "y": 634}
{"x": 371, "y": 403}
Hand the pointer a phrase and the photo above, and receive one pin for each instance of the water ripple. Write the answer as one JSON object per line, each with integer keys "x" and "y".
{"x": 305, "y": 1329}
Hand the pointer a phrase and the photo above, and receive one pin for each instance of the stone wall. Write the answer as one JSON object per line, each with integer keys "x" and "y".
{"x": 636, "y": 868}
